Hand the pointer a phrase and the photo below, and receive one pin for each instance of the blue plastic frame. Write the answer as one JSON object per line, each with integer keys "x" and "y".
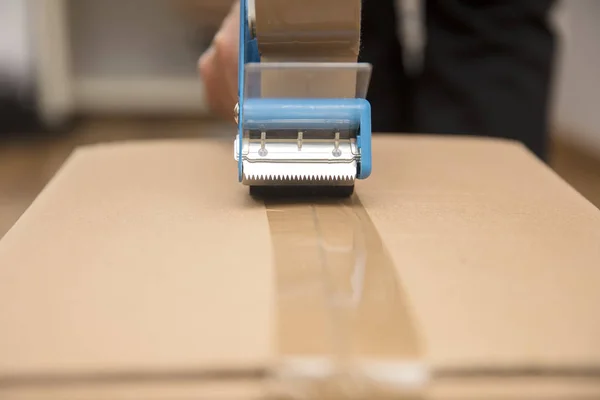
{"x": 262, "y": 113}
{"x": 248, "y": 52}
{"x": 270, "y": 114}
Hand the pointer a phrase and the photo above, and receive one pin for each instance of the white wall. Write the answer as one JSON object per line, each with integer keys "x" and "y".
{"x": 130, "y": 55}
{"x": 15, "y": 49}
{"x": 134, "y": 56}
{"x": 577, "y": 96}
{"x": 131, "y": 38}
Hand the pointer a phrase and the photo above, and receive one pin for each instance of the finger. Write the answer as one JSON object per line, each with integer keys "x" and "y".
{"x": 226, "y": 44}
{"x": 228, "y": 77}
{"x": 218, "y": 66}
{"x": 213, "y": 82}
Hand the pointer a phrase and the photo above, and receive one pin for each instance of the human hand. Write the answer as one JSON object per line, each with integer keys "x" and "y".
{"x": 219, "y": 66}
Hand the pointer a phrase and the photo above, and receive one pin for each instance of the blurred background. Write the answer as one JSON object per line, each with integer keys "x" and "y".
{"x": 84, "y": 71}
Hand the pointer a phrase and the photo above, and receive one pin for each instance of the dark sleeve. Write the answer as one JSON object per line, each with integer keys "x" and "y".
{"x": 487, "y": 70}
{"x": 389, "y": 93}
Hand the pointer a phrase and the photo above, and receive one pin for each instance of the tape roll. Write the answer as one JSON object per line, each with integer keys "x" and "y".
{"x": 308, "y": 30}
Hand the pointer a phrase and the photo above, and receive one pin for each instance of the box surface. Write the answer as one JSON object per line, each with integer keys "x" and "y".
{"x": 147, "y": 266}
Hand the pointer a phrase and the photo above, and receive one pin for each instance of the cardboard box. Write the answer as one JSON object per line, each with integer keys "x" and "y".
{"x": 462, "y": 269}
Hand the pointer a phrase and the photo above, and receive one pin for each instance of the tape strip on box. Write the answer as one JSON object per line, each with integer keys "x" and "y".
{"x": 344, "y": 324}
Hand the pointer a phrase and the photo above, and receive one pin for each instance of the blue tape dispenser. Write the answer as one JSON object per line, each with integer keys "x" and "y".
{"x": 301, "y": 124}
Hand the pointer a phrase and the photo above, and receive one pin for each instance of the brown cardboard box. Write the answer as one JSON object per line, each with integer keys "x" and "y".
{"x": 144, "y": 270}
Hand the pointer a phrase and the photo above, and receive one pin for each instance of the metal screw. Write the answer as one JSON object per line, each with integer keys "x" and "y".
{"x": 263, "y": 139}
{"x": 336, "y": 144}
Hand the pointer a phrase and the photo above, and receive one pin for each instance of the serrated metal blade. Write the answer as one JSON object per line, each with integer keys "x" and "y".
{"x": 301, "y": 173}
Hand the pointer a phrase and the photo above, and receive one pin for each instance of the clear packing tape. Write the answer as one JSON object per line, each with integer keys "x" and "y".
{"x": 343, "y": 323}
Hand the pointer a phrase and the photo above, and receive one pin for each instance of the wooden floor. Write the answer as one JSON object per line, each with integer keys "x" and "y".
{"x": 26, "y": 164}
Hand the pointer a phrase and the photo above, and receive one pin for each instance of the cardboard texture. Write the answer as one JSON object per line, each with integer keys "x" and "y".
{"x": 146, "y": 268}
{"x": 119, "y": 269}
